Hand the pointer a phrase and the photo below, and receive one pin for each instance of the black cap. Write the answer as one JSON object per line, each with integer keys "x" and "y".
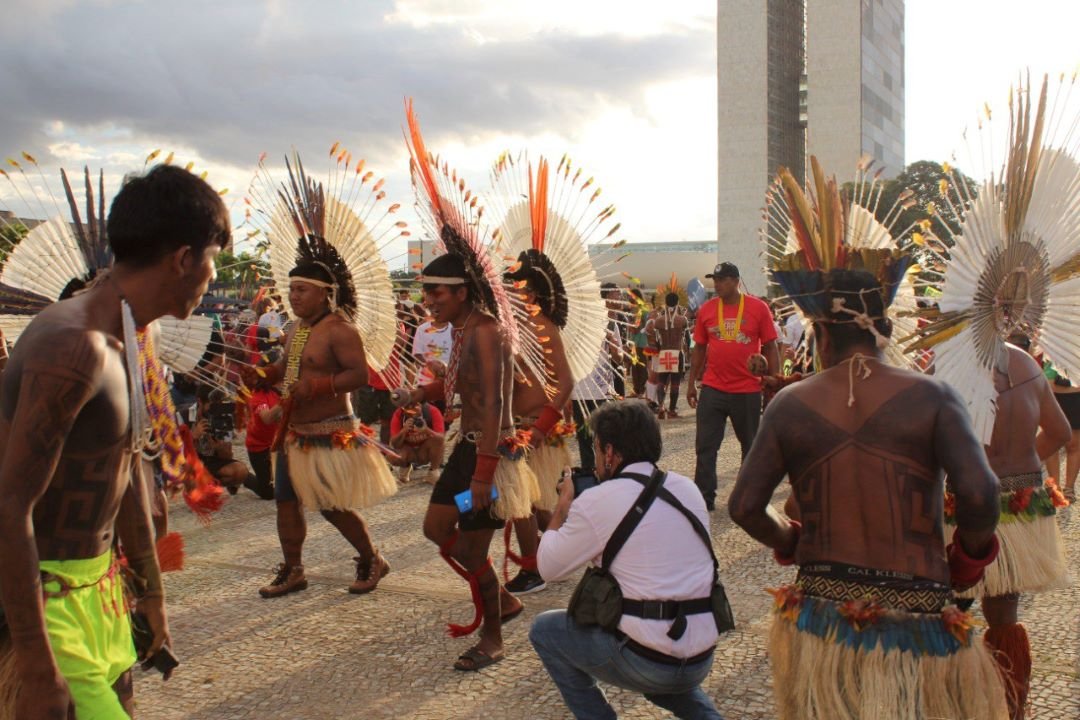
{"x": 724, "y": 270}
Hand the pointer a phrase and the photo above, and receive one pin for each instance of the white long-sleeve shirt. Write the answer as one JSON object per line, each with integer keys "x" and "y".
{"x": 664, "y": 559}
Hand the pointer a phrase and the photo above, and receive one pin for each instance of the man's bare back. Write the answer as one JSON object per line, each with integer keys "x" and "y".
{"x": 68, "y": 370}
{"x": 530, "y": 395}
{"x": 865, "y": 478}
{"x": 1025, "y": 402}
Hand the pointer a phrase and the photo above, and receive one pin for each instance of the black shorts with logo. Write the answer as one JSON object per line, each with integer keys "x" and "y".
{"x": 455, "y": 478}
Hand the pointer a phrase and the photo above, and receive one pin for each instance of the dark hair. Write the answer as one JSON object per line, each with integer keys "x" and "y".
{"x": 671, "y": 299}
{"x": 162, "y": 211}
{"x": 451, "y": 266}
{"x": 317, "y": 259}
{"x": 544, "y": 280}
{"x": 860, "y": 292}
{"x": 312, "y": 271}
{"x": 631, "y": 429}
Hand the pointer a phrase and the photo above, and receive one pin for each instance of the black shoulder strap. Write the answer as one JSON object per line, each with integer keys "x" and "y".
{"x": 702, "y": 533}
{"x": 633, "y": 516}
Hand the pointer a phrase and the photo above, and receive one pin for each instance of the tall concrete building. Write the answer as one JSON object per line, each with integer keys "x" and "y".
{"x": 796, "y": 77}
{"x": 855, "y": 83}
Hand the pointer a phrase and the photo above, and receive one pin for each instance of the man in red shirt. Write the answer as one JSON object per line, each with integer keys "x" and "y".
{"x": 417, "y": 435}
{"x": 729, "y": 329}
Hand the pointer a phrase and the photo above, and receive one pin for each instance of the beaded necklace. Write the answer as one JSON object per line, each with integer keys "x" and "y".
{"x": 721, "y": 328}
{"x": 296, "y": 351}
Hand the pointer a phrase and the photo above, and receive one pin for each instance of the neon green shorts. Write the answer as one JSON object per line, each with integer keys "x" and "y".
{"x": 89, "y": 632}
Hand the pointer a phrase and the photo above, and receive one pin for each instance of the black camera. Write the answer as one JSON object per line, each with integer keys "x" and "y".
{"x": 418, "y": 423}
{"x": 221, "y": 417}
{"x": 583, "y": 480}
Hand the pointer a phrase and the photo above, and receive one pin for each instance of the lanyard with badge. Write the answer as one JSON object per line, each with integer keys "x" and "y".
{"x": 721, "y": 330}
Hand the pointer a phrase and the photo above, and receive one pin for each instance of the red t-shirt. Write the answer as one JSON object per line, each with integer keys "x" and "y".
{"x": 436, "y": 420}
{"x": 725, "y": 360}
{"x": 260, "y": 435}
{"x": 251, "y": 342}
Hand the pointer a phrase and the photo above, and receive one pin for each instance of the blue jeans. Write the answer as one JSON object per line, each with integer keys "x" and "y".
{"x": 576, "y": 657}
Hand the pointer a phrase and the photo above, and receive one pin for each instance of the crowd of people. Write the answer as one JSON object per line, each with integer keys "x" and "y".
{"x": 908, "y": 499}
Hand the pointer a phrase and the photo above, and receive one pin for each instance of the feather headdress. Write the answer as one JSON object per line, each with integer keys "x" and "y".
{"x": 671, "y": 286}
{"x": 342, "y": 227}
{"x": 57, "y": 258}
{"x": 808, "y": 233}
{"x": 544, "y": 240}
{"x": 451, "y": 217}
{"x": 1014, "y": 264}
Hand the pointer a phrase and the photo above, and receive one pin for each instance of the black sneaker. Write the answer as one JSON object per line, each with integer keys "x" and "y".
{"x": 710, "y": 505}
{"x": 526, "y": 582}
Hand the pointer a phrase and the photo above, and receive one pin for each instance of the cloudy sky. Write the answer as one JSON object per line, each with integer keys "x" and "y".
{"x": 626, "y": 87}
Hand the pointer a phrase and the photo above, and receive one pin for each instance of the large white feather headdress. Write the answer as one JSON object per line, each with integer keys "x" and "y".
{"x": 59, "y": 255}
{"x": 1014, "y": 264}
{"x": 343, "y": 224}
{"x": 549, "y": 214}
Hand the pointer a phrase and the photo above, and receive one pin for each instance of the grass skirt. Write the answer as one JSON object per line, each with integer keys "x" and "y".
{"x": 899, "y": 666}
{"x": 518, "y": 489}
{"x": 337, "y": 470}
{"x": 1031, "y": 558}
{"x": 547, "y": 463}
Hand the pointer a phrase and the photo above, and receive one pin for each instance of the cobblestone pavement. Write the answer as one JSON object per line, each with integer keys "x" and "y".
{"x": 323, "y": 653}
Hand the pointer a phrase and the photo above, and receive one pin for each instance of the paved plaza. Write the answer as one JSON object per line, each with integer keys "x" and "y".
{"x": 323, "y": 653}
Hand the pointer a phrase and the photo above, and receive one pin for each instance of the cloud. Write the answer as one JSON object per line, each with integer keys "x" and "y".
{"x": 233, "y": 79}
{"x": 103, "y": 83}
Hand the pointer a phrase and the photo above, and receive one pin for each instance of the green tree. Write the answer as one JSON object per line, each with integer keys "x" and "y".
{"x": 925, "y": 207}
{"x": 10, "y": 236}
{"x": 242, "y": 273}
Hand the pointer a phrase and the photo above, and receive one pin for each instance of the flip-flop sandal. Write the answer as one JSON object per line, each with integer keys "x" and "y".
{"x": 507, "y": 617}
{"x": 475, "y": 659}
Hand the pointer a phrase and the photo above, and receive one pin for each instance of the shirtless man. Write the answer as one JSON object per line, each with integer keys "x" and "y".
{"x": 67, "y": 445}
{"x": 480, "y": 371}
{"x": 539, "y": 412}
{"x": 323, "y": 363}
{"x": 1028, "y": 428}
{"x": 866, "y": 478}
{"x": 666, "y": 331}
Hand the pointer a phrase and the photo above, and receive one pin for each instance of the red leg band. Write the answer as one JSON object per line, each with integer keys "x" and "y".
{"x": 1012, "y": 653}
{"x": 473, "y": 578}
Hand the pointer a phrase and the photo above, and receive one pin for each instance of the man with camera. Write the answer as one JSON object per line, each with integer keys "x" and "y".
{"x": 213, "y": 433}
{"x": 417, "y": 435}
{"x": 646, "y": 616}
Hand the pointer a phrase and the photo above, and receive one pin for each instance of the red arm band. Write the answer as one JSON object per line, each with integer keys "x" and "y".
{"x": 485, "y": 467}
{"x": 966, "y": 570}
{"x": 435, "y": 390}
{"x": 549, "y": 417}
{"x": 782, "y": 559}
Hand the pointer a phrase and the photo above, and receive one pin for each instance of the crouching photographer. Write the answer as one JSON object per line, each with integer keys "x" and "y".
{"x": 647, "y": 615}
{"x": 213, "y": 433}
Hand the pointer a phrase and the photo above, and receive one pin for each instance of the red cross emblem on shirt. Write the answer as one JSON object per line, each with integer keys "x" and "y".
{"x": 669, "y": 361}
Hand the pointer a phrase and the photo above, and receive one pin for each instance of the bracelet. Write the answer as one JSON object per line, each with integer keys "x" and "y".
{"x": 484, "y": 473}
{"x": 965, "y": 570}
{"x": 549, "y": 417}
{"x": 785, "y": 560}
